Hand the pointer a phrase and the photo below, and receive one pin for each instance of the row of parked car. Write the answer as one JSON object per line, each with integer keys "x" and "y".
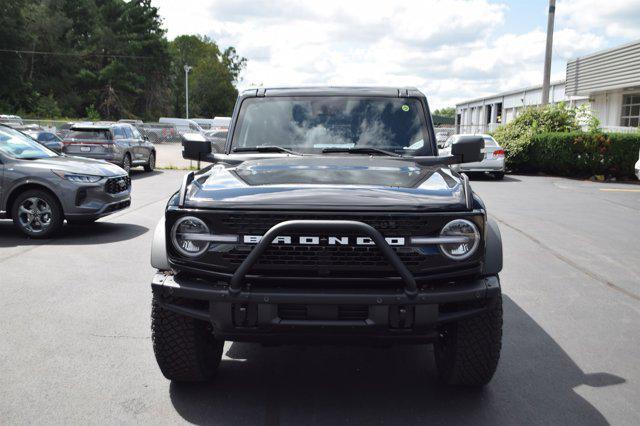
{"x": 79, "y": 172}
{"x": 167, "y": 129}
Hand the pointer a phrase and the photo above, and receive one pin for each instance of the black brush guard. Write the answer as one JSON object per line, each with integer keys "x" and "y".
{"x": 251, "y": 315}
{"x": 237, "y": 280}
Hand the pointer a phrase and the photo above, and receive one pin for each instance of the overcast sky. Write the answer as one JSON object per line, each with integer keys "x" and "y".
{"x": 451, "y": 50}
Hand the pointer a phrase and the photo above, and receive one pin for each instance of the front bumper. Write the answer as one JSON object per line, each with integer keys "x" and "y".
{"x": 92, "y": 201}
{"x": 241, "y": 308}
{"x": 487, "y": 165}
{"x": 279, "y": 314}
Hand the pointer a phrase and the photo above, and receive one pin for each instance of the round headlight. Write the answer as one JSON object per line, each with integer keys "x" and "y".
{"x": 464, "y": 237}
{"x": 185, "y": 234}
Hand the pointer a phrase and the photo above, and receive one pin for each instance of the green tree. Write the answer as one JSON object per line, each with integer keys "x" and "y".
{"x": 14, "y": 90}
{"x": 212, "y": 79}
{"x": 64, "y": 57}
{"x": 213, "y": 90}
{"x": 446, "y": 112}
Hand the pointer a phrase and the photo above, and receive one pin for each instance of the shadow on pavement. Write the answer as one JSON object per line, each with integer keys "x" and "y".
{"x": 490, "y": 177}
{"x": 141, "y": 174}
{"x": 354, "y": 385}
{"x": 91, "y": 234}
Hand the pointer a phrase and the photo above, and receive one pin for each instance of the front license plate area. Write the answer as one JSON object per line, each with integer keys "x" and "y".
{"x": 85, "y": 148}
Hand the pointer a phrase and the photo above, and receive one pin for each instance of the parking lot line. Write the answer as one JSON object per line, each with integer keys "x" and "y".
{"x": 619, "y": 190}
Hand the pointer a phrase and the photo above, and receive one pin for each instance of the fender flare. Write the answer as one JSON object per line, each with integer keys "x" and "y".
{"x": 20, "y": 185}
{"x": 159, "y": 259}
{"x": 493, "y": 249}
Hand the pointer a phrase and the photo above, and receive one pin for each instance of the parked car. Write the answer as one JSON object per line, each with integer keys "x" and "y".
{"x": 160, "y": 132}
{"x": 63, "y": 129}
{"x": 117, "y": 143}
{"x": 204, "y": 123}
{"x": 216, "y": 123}
{"x": 183, "y": 125}
{"x": 638, "y": 167}
{"x": 493, "y": 161}
{"x": 221, "y": 122}
{"x": 441, "y": 137}
{"x": 48, "y": 139}
{"x": 130, "y": 121}
{"x": 218, "y": 139}
{"x": 366, "y": 240}
{"x": 12, "y": 120}
{"x": 39, "y": 188}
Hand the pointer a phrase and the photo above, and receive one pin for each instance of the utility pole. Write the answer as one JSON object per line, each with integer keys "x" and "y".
{"x": 187, "y": 68}
{"x": 546, "y": 82}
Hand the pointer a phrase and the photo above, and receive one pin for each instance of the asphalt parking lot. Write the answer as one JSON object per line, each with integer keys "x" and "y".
{"x": 76, "y": 345}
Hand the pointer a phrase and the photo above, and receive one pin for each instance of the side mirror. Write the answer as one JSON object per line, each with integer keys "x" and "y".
{"x": 195, "y": 147}
{"x": 468, "y": 149}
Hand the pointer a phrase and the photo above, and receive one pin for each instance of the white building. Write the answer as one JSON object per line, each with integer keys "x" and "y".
{"x": 609, "y": 81}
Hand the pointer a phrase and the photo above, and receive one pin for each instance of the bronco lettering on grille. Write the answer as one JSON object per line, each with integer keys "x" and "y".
{"x": 330, "y": 241}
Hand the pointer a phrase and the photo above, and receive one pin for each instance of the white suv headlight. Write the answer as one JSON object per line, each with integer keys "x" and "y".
{"x": 189, "y": 236}
{"x": 465, "y": 239}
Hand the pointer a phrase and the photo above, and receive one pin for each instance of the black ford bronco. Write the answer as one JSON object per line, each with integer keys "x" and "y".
{"x": 328, "y": 217}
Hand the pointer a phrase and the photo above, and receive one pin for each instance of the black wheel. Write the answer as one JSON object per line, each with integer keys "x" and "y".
{"x": 151, "y": 164}
{"x": 185, "y": 348}
{"x": 126, "y": 163}
{"x": 468, "y": 351}
{"x": 37, "y": 213}
{"x": 498, "y": 175}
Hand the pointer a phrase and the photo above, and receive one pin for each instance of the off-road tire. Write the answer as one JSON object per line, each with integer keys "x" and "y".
{"x": 151, "y": 164}
{"x": 468, "y": 351}
{"x": 185, "y": 348}
{"x": 57, "y": 215}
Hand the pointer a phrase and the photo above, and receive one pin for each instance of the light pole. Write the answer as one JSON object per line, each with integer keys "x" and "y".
{"x": 187, "y": 68}
{"x": 546, "y": 81}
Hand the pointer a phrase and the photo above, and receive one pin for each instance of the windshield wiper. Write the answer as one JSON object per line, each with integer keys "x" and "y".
{"x": 362, "y": 150}
{"x": 264, "y": 148}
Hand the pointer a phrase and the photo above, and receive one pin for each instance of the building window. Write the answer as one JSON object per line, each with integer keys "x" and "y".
{"x": 630, "y": 110}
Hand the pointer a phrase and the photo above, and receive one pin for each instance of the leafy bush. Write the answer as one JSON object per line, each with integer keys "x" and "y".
{"x": 47, "y": 107}
{"x": 583, "y": 154}
{"x": 92, "y": 113}
{"x": 516, "y": 135}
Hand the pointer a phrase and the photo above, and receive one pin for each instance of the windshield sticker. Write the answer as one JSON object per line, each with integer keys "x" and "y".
{"x": 333, "y": 145}
{"x": 405, "y": 107}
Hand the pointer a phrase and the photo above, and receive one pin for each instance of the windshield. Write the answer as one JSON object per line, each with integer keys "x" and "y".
{"x": 98, "y": 135}
{"x": 311, "y": 124}
{"x": 17, "y": 145}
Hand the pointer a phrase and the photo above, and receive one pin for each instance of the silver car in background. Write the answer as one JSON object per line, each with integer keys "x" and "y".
{"x": 117, "y": 143}
{"x": 46, "y": 138}
{"x": 493, "y": 161}
{"x": 39, "y": 189}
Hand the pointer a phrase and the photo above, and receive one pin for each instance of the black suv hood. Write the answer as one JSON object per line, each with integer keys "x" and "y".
{"x": 328, "y": 183}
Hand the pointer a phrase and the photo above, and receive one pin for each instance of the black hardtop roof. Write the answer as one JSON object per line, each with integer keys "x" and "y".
{"x": 334, "y": 91}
